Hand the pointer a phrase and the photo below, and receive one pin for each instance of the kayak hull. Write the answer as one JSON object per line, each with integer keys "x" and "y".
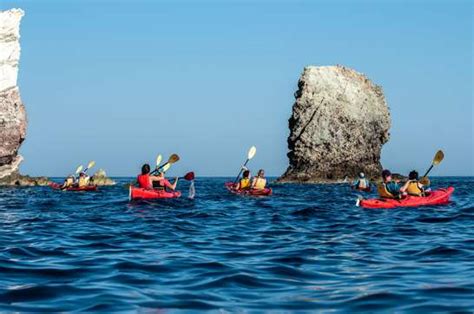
{"x": 437, "y": 197}
{"x": 139, "y": 193}
{"x": 265, "y": 192}
{"x": 88, "y": 188}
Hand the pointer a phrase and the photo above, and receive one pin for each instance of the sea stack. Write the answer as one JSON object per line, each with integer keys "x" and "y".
{"x": 12, "y": 111}
{"x": 339, "y": 124}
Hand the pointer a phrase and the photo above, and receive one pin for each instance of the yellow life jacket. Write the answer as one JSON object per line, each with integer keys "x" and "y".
{"x": 69, "y": 182}
{"x": 83, "y": 181}
{"x": 244, "y": 183}
{"x": 259, "y": 183}
{"x": 383, "y": 192}
{"x": 414, "y": 189}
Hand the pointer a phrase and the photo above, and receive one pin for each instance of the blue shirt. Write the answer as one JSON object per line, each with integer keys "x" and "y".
{"x": 393, "y": 188}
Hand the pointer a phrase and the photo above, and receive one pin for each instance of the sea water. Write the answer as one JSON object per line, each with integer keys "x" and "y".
{"x": 306, "y": 248}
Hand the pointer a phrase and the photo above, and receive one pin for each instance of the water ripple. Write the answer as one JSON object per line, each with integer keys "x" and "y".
{"x": 307, "y": 248}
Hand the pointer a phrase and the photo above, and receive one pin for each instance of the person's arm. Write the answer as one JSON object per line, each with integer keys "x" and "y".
{"x": 404, "y": 188}
{"x": 254, "y": 182}
{"x": 170, "y": 186}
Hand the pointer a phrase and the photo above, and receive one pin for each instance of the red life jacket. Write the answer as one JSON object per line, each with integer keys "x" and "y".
{"x": 144, "y": 181}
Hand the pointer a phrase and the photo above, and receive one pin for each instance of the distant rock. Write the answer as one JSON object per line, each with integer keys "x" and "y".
{"x": 100, "y": 178}
{"x": 12, "y": 112}
{"x": 16, "y": 179}
{"x": 339, "y": 124}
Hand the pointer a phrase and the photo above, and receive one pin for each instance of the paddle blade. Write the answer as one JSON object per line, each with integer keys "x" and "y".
{"x": 252, "y": 152}
{"x": 425, "y": 181}
{"x": 158, "y": 160}
{"x": 173, "y": 158}
{"x": 189, "y": 176}
{"x": 438, "y": 157}
{"x": 79, "y": 169}
{"x": 165, "y": 167}
{"x": 91, "y": 164}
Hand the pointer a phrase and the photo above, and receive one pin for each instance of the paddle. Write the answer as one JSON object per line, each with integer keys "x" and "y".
{"x": 158, "y": 159}
{"x": 250, "y": 155}
{"x": 171, "y": 160}
{"x": 79, "y": 169}
{"x": 189, "y": 176}
{"x": 438, "y": 158}
{"x": 90, "y": 165}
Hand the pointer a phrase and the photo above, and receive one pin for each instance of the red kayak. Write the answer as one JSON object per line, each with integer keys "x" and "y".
{"x": 265, "y": 192}
{"x": 88, "y": 188}
{"x": 139, "y": 193}
{"x": 437, "y": 197}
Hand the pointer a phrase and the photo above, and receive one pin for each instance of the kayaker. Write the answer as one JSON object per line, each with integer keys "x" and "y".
{"x": 259, "y": 182}
{"x": 83, "y": 180}
{"x": 413, "y": 186}
{"x": 163, "y": 183}
{"x": 389, "y": 188}
{"x": 361, "y": 183}
{"x": 145, "y": 180}
{"x": 244, "y": 183}
{"x": 68, "y": 182}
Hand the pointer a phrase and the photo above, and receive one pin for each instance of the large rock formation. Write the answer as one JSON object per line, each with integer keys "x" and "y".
{"x": 12, "y": 111}
{"x": 339, "y": 123}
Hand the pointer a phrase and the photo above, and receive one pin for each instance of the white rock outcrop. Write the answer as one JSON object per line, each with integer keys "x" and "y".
{"x": 12, "y": 111}
{"x": 9, "y": 47}
{"x": 339, "y": 124}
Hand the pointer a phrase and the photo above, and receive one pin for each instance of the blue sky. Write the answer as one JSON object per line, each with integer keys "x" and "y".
{"x": 120, "y": 81}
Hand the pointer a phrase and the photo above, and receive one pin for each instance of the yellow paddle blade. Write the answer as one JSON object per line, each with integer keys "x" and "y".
{"x": 252, "y": 152}
{"x": 165, "y": 167}
{"x": 438, "y": 157}
{"x": 79, "y": 169}
{"x": 158, "y": 159}
{"x": 173, "y": 158}
{"x": 91, "y": 164}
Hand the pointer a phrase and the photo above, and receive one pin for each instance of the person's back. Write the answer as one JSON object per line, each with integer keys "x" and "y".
{"x": 244, "y": 183}
{"x": 83, "y": 181}
{"x": 362, "y": 183}
{"x": 413, "y": 186}
{"x": 143, "y": 179}
{"x": 259, "y": 182}
{"x": 69, "y": 182}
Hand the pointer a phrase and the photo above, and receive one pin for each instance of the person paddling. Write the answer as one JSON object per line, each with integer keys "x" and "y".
{"x": 164, "y": 184}
{"x": 259, "y": 182}
{"x": 413, "y": 186}
{"x": 390, "y": 188}
{"x": 145, "y": 180}
{"x": 83, "y": 180}
{"x": 69, "y": 182}
{"x": 244, "y": 183}
{"x": 361, "y": 183}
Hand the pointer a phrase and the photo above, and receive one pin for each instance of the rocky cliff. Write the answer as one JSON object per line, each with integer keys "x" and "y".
{"x": 12, "y": 111}
{"x": 339, "y": 124}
